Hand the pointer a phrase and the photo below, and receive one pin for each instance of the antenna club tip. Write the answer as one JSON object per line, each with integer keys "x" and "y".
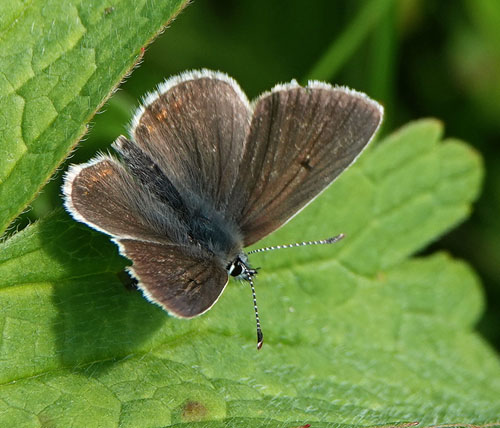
{"x": 336, "y": 238}
{"x": 260, "y": 340}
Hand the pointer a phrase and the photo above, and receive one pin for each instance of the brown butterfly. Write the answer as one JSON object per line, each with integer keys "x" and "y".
{"x": 205, "y": 173}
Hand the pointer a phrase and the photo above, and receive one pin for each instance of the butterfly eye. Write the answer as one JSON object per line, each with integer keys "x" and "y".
{"x": 235, "y": 268}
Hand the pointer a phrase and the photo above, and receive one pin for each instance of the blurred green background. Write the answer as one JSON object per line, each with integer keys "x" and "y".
{"x": 419, "y": 58}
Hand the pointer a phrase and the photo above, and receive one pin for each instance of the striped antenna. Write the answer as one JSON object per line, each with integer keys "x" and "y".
{"x": 250, "y": 273}
{"x": 260, "y": 336}
{"x": 300, "y": 244}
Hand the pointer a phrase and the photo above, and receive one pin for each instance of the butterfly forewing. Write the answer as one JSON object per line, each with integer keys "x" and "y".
{"x": 299, "y": 141}
{"x": 195, "y": 130}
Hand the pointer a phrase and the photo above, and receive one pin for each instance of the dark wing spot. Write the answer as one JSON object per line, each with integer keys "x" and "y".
{"x": 306, "y": 164}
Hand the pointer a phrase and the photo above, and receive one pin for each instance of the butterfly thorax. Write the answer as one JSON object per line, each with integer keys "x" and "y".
{"x": 213, "y": 232}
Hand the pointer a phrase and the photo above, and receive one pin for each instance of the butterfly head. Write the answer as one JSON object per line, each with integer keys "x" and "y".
{"x": 240, "y": 268}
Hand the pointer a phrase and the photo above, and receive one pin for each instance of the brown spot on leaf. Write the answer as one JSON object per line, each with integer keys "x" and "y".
{"x": 194, "y": 411}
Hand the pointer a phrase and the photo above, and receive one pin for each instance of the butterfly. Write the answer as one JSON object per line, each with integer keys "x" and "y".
{"x": 205, "y": 173}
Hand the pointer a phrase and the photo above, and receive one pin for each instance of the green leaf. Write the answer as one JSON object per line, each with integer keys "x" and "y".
{"x": 356, "y": 334}
{"x": 59, "y": 61}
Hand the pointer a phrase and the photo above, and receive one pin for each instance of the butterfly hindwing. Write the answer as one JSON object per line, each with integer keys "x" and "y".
{"x": 186, "y": 282}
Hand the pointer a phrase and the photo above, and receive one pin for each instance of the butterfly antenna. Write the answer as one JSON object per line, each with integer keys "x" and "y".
{"x": 300, "y": 244}
{"x": 260, "y": 336}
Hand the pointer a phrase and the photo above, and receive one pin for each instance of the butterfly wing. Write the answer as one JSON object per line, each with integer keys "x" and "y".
{"x": 102, "y": 194}
{"x": 194, "y": 127}
{"x": 300, "y": 140}
{"x": 184, "y": 281}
